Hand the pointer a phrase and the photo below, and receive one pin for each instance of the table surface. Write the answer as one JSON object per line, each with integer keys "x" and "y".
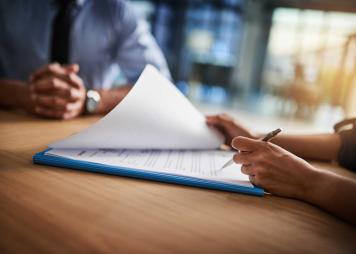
{"x": 48, "y": 209}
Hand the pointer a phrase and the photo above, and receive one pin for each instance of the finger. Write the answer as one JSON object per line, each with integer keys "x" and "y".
{"x": 222, "y": 121}
{"x": 70, "y": 115}
{"x": 70, "y": 94}
{"x": 211, "y": 120}
{"x": 50, "y": 113}
{"x": 247, "y": 169}
{"x": 65, "y": 73}
{"x": 48, "y": 84}
{"x": 50, "y": 101}
{"x": 245, "y": 144}
{"x": 227, "y": 137}
{"x": 244, "y": 158}
{"x": 56, "y": 87}
{"x": 70, "y": 78}
{"x": 76, "y": 81}
{"x": 216, "y": 122}
{"x": 54, "y": 68}
{"x": 71, "y": 110}
{"x": 43, "y": 69}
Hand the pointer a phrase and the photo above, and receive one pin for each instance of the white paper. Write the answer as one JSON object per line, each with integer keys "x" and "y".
{"x": 201, "y": 164}
{"x": 154, "y": 115}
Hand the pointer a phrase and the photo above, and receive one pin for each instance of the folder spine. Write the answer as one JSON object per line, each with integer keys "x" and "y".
{"x": 57, "y": 161}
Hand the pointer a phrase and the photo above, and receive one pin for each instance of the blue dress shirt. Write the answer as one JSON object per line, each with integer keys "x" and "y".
{"x": 106, "y": 37}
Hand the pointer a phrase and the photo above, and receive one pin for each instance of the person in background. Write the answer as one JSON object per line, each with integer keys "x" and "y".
{"x": 278, "y": 167}
{"x": 60, "y": 58}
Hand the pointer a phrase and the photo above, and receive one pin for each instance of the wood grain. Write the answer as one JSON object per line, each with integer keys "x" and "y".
{"x": 54, "y": 210}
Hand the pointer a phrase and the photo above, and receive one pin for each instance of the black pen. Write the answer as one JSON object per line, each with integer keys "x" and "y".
{"x": 266, "y": 139}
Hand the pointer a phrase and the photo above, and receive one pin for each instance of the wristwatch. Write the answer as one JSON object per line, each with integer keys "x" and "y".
{"x": 92, "y": 101}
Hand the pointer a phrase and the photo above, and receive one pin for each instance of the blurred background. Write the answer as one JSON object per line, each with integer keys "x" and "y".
{"x": 288, "y": 60}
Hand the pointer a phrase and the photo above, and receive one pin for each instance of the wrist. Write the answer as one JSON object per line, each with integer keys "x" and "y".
{"x": 110, "y": 98}
{"x": 314, "y": 186}
{"x": 24, "y": 97}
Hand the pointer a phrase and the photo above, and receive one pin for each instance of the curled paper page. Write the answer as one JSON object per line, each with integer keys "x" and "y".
{"x": 154, "y": 115}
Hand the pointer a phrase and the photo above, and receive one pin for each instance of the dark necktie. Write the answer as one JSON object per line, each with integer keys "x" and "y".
{"x": 61, "y": 31}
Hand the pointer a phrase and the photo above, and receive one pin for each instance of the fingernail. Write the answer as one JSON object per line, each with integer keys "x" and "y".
{"x": 233, "y": 141}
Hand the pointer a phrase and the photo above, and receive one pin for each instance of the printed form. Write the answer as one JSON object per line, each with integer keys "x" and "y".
{"x": 196, "y": 163}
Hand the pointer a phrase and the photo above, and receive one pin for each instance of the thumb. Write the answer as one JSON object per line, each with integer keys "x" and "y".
{"x": 245, "y": 144}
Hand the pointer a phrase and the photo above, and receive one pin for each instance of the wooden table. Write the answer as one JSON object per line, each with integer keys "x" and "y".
{"x": 55, "y": 210}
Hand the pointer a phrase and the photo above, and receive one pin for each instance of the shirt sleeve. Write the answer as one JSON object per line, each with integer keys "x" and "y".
{"x": 135, "y": 46}
{"x": 347, "y": 152}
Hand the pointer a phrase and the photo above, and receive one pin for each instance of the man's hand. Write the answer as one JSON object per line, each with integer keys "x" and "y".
{"x": 273, "y": 168}
{"x": 229, "y": 128}
{"x": 57, "y": 92}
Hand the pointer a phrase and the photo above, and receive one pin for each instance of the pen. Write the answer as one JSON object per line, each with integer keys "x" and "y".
{"x": 266, "y": 139}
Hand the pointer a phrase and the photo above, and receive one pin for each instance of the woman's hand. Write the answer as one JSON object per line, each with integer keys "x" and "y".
{"x": 273, "y": 168}
{"x": 229, "y": 128}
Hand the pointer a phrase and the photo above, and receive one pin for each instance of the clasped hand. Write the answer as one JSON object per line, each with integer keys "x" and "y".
{"x": 57, "y": 91}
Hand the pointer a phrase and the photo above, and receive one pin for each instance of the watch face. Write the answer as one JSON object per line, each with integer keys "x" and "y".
{"x": 93, "y": 99}
{"x": 91, "y": 105}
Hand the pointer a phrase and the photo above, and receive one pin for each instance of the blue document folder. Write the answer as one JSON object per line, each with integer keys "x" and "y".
{"x": 58, "y": 161}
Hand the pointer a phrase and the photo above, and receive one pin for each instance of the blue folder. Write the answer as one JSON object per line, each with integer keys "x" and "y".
{"x": 57, "y": 161}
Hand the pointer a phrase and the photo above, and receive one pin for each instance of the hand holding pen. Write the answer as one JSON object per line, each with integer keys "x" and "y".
{"x": 268, "y": 137}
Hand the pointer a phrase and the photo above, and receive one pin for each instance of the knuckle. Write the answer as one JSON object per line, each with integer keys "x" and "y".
{"x": 68, "y": 107}
{"x": 49, "y": 68}
{"x": 52, "y": 66}
{"x": 72, "y": 93}
{"x": 260, "y": 156}
{"x": 219, "y": 116}
{"x": 54, "y": 82}
{"x": 237, "y": 158}
{"x": 246, "y": 169}
{"x": 262, "y": 164}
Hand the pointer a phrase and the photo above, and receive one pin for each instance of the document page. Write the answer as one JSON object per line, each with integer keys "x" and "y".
{"x": 196, "y": 163}
{"x": 154, "y": 115}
